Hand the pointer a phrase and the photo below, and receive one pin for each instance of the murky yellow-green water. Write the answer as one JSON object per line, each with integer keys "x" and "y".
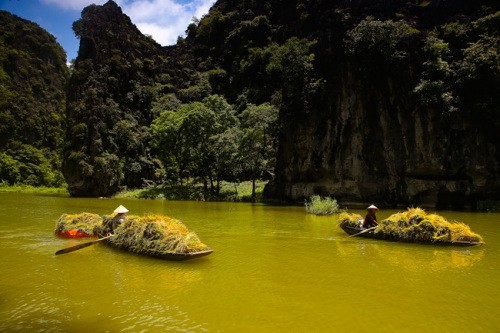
{"x": 274, "y": 269}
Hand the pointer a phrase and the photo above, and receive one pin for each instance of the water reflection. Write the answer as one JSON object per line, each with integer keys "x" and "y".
{"x": 412, "y": 257}
{"x": 274, "y": 269}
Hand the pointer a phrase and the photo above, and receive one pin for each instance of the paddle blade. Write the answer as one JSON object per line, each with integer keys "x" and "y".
{"x": 80, "y": 246}
{"x": 362, "y": 232}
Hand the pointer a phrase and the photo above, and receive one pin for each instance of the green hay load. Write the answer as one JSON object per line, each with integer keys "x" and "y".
{"x": 153, "y": 235}
{"x": 415, "y": 225}
{"x": 349, "y": 220}
{"x": 87, "y": 223}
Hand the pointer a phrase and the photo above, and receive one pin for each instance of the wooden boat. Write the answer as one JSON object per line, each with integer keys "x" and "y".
{"x": 371, "y": 234}
{"x": 152, "y": 235}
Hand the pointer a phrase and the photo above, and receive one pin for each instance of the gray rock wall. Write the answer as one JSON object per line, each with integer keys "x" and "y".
{"x": 377, "y": 146}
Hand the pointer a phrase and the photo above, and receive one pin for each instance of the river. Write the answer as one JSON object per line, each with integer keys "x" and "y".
{"x": 274, "y": 269}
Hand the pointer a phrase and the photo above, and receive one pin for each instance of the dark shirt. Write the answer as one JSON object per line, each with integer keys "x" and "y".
{"x": 118, "y": 219}
{"x": 370, "y": 221}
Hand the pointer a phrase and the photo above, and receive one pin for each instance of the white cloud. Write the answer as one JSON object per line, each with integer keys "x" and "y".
{"x": 161, "y": 34}
{"x": 164, "y": 20}
{"x": 73, "y": 4}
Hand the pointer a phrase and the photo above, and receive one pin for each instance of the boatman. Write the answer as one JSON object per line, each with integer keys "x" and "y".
{"x": 370, "y": 220}
{"x": 121, "y": 214}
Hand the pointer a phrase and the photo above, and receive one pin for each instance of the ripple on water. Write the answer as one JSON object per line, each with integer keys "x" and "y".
{"x": 153, "y": 315}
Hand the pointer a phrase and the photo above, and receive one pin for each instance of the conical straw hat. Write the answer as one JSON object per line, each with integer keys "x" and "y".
{"x": 121, "y": 209}
{"x": 372, "y": 207}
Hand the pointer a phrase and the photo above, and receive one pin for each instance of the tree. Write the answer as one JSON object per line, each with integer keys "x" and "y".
{"x": 258, "y": 143}
{"x": 291, "y": 66}
{"x": 191, "y": 141}
{"x": 223, "y": 139}
{"x": 168, "y": 143}
{"x": 373, "y": 41}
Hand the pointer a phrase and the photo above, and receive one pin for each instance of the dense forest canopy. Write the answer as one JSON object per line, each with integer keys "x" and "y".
{"x": 109, "y": 108}
{"x": 386, "y": 101}
{"x": 33, "y": 75}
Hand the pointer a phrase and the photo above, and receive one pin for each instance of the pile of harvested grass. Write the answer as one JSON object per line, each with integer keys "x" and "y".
{"x": 85, "y": 224}
{"x": 415, "y": 225}
{"x": 154, "y": 234}
{"x": 350, "y": 220}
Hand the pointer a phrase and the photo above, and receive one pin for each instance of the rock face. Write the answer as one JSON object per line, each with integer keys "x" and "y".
{"x": 389, "y": 102}
{"x": 376, "y": 145}
{"x": 400, "y": 107}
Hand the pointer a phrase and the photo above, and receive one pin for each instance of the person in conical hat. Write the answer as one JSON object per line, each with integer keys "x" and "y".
{"x": 120, "y": 210}
{"x": 370, "y": 220}
{"x": 121, "y": 213}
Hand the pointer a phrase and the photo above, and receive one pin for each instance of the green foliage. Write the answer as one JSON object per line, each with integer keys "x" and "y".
{"x": 43, "y": 190}
{"x": 379, "y": 42}
{"x": 229, "y": 191}
{"x": 199, "y": 139}
{"x": 461, "y": 67}
{"x": 10, "y": 169}
{"x": 25, "y": 164}
{"x": 481, "y": 59}
{"x": 197, "y": 91}
{"x": 33, "y": 75}
{"x": 140, "y": 114}
{"x": 115, "y": 79}
{"x": 165, "y": 102}
{"x": 292, "y": 66}
{"x": 321, "y": 205}
{"x": 206, "y": 140}
{"x": 258, "y": 143}
{"x": 488, "y": 206}
{"x": 434, "y": 88}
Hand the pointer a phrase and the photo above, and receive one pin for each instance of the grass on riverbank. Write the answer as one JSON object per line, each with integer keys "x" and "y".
{"x": 194, "y": 191}
{"x": 33, "y": 189}
{"x": 190, "y": 191}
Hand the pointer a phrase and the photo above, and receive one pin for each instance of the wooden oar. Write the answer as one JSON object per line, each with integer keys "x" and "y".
{"x": 81, "y": 246}
{"x": 362, "y": 232}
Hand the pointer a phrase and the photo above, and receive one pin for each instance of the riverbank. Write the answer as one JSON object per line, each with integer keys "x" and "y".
{"x": 229, "y": 192}
{"x": 191, "y": 191}
{"x": 232, "y": 192}
{"x": 34, "y": 189}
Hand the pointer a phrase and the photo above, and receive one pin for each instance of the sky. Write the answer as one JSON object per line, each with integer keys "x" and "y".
{"x": 164, "y": 20}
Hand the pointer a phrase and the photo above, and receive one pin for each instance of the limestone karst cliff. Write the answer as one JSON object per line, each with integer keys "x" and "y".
{"x": 392, "y": 102}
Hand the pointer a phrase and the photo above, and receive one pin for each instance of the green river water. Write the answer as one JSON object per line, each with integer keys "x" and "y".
{"x": 274, "y": 269}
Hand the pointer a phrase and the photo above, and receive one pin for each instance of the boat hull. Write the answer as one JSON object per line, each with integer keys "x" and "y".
{"x": 165, "y": 255}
